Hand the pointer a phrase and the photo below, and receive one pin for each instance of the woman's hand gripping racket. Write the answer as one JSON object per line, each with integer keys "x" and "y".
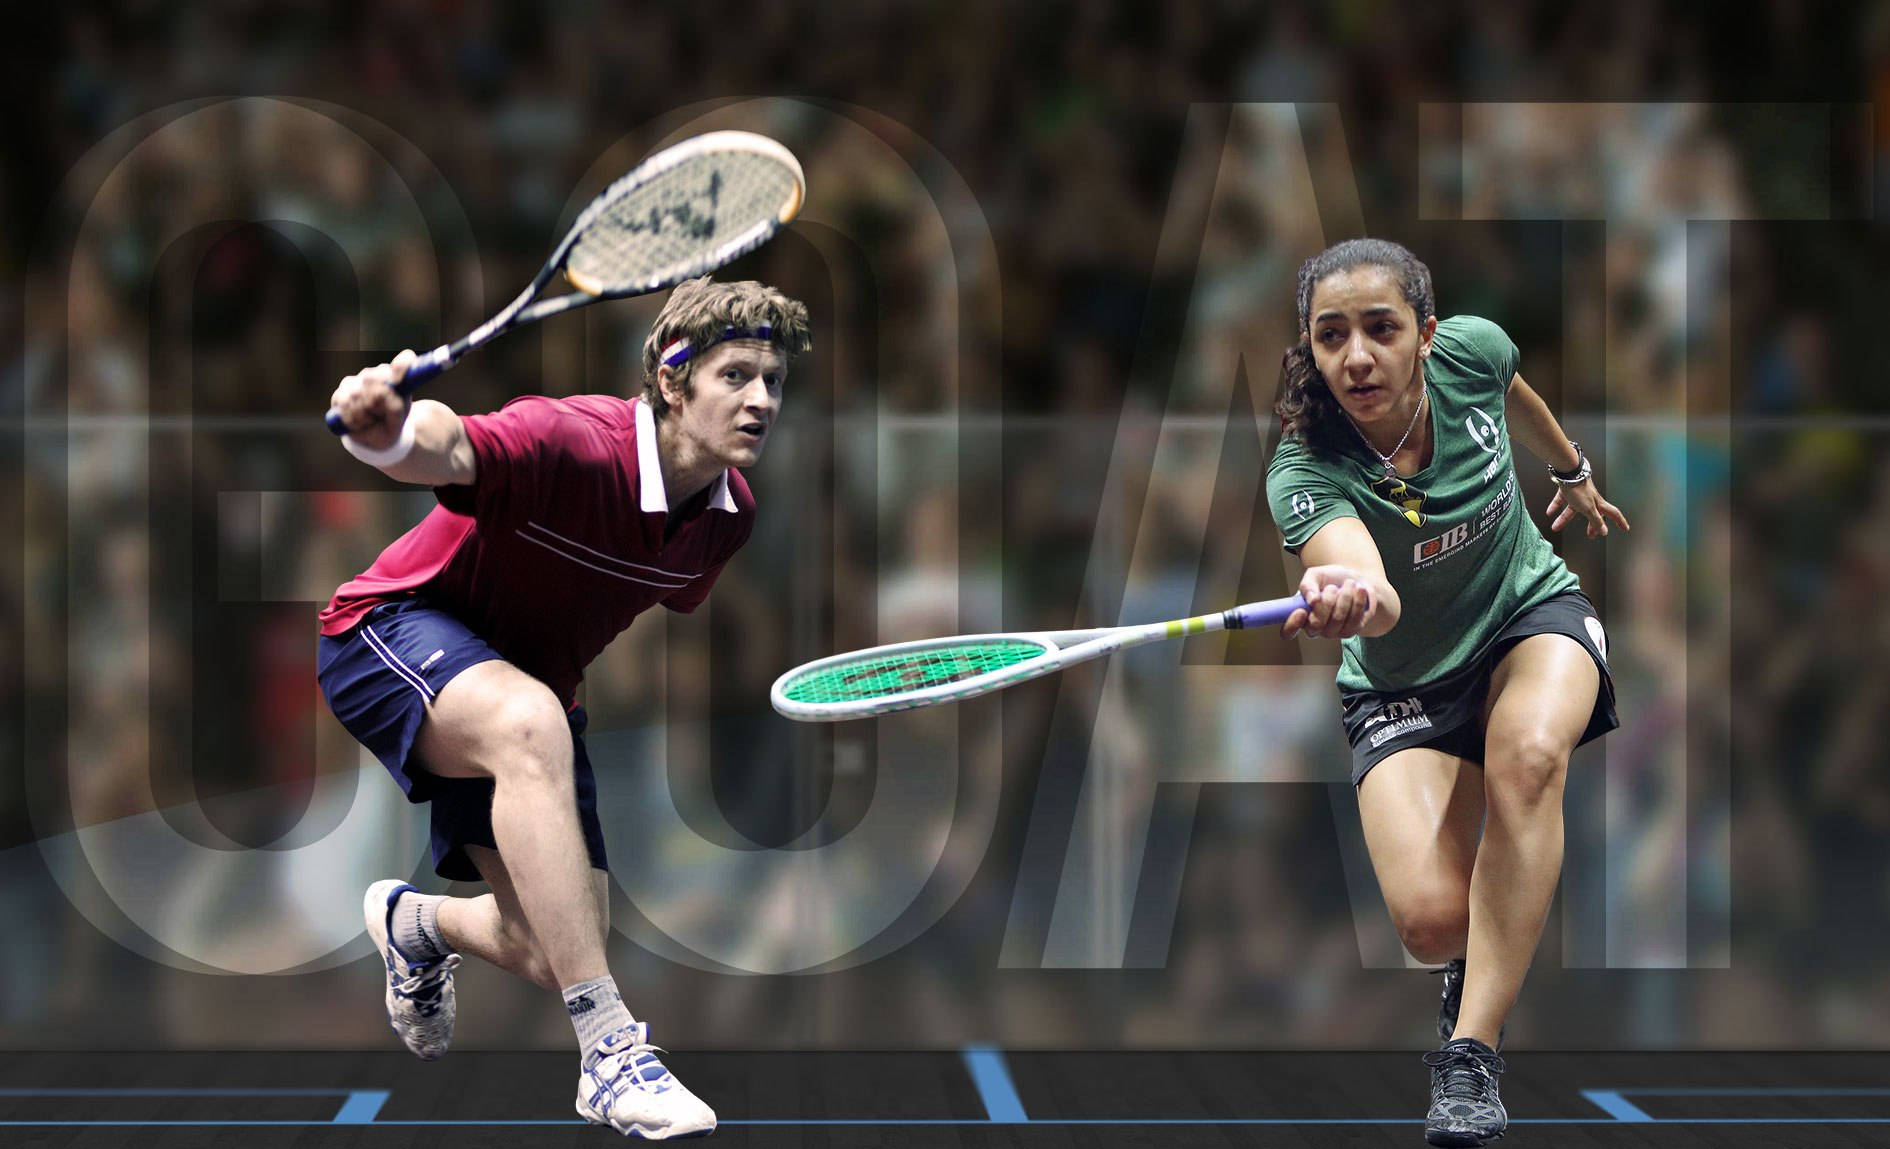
{"x": 683, "y": 212}
{"x": 930, "y": 671}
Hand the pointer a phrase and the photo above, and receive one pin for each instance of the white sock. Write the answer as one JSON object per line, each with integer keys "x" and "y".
{"x": 414, "y": 927}
{"x": 596, "y": 1010}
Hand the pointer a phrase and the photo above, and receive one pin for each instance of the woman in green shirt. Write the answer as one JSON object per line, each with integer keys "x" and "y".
{"x": 1472, "y": 663}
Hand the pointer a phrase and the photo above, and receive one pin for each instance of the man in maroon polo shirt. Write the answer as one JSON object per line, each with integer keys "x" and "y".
{"x": 457, "y": 655}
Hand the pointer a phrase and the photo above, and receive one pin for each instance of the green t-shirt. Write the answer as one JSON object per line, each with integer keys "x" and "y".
{"x": 1455, "y": 538}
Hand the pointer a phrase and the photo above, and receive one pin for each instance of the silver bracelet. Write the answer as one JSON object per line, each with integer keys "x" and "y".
{"x": 1582, "y": 472}
{"x": 384, "y": 457}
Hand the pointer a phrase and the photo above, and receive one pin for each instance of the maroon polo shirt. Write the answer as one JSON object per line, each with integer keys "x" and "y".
{"x": 558, "y": 542}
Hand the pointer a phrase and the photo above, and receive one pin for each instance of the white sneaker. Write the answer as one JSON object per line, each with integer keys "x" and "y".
{"x": 625, "y": 1087}
{"x": 420, "y": 1000}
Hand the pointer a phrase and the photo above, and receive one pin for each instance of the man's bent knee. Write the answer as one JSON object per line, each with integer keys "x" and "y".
{"x": 528, "y": 739}
{"x": 495, "y": 721}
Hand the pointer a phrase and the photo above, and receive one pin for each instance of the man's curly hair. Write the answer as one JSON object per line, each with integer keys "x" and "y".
{"x": 702, "y": 310}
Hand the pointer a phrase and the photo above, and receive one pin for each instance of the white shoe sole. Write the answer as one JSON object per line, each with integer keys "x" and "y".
{"x": 671, "y": 1132}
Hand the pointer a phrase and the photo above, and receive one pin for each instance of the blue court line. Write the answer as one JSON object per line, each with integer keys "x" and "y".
{"x": 1722, "y": 1091}
{"x": 54, "y": 1092}
{"x": 1615, "y": 1102}
{"x": 1002, "y": 1105}
{"x": 1617, "y": 1106}
{"x": 361, "y": 1107}
{"x": 964, "y": 1121}
{"x": 993, "y": 1079}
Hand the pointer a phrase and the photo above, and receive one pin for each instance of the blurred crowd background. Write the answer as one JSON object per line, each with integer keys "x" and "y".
{"x": 1050, "y": 252}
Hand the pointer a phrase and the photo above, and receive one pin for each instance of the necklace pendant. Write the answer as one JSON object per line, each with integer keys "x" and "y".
{"x": 1391, "y": 469}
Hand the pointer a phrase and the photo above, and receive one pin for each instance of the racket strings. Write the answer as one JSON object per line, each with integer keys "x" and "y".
{"x": 903, "y": 672}
{"x": 685, "y": 216}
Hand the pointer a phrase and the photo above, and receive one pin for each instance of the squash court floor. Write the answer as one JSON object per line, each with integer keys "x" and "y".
{"x": 978, "y": 1096}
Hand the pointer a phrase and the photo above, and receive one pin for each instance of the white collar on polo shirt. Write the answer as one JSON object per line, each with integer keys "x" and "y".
{"x": 655, "y": 499}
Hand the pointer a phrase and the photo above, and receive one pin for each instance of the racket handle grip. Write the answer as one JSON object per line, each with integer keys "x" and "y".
{"x": 424, "y": 368}
{"x": 419, "y": 371}
{"x": 1269, "y": 613}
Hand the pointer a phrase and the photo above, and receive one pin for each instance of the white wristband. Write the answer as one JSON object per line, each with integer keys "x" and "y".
{"x": 384, "y": 457}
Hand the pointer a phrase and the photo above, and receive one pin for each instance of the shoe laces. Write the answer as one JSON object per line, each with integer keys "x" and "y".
{"x": 1463, "y": 1072}
{"x": 627, "y": 1053}
{"x": 426, "y": 984}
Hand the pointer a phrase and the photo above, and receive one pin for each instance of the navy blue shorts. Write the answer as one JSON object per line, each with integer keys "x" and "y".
{"x": 379, "y": 679}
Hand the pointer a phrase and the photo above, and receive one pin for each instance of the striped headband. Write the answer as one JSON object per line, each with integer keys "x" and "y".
{"x": 680, "y": 350}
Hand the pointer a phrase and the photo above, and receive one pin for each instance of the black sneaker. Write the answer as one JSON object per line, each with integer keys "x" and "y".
{"x": 1451, "y": 1000}
{"x": 1465, "y": 1110}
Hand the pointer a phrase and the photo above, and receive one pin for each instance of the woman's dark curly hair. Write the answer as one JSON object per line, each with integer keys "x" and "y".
{"x": 1306, "y": 406}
